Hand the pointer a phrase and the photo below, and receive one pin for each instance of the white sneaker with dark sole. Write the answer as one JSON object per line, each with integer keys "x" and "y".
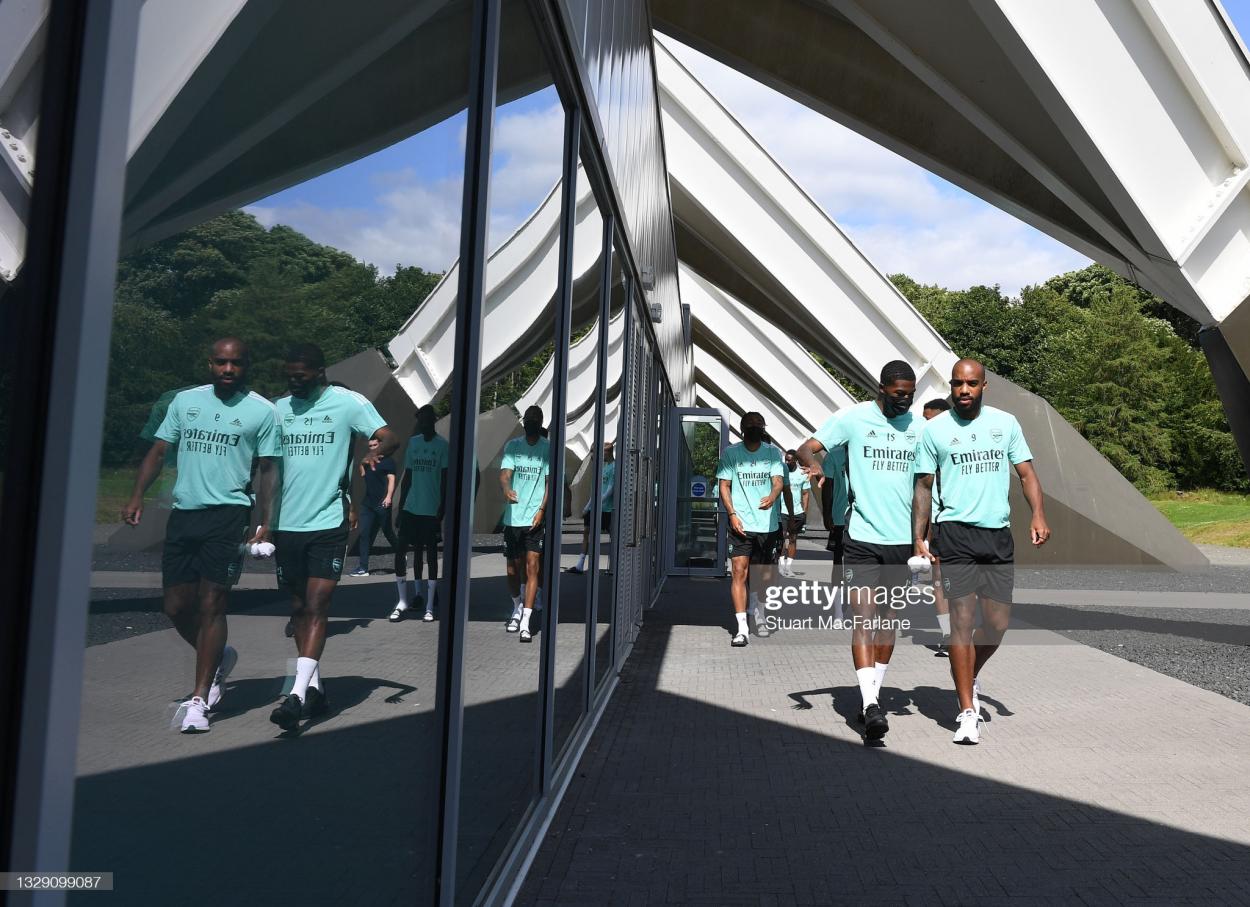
{"x": 527, "y": 636}
{"x": 398, "y": 614}
{"x": 229, "y": 658}
{"x": 969, "y": 731}
{"x": 513, "y": 624}
{"x": 739, "y": 640}
{"x": 195, "y": 718}
{"x": 428, "y": 616}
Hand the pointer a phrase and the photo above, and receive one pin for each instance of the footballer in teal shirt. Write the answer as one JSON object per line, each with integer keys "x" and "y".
{"x": 320, "y": 422}
{"x": 222, "y": 432}
{"x": 880, "y": 438}
{"x": 751, "y": 479}
{"x": 423, "y": 494}
{"x": 524, "y": 476}
{"x": 973, "y": 449}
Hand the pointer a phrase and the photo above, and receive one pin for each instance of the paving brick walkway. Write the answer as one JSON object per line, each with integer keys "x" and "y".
{"x": 723, "y": 776}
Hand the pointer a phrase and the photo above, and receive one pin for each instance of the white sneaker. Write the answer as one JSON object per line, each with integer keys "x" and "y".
{"x": 976, "y": 696}
{"x": 513, "y": 624}
{"x": 229, "y": 658}
{"x": 969, "y": 732}
{"x": 428, "y": 616}
{"x": 398, "y": 614}
{"x": 194, "y": 719}
{"x": 739, "y": 640}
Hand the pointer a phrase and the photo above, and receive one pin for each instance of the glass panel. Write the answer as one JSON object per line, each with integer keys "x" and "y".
{"x": 582, "y": 441}
{"x": 503, "y": 710}
{"x": 698, "y": 449}
{"x": 246, "y": 365}
{"x": 610, "y": 543}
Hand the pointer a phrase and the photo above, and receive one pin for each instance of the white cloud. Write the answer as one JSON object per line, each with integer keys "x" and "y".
{"x": 904, "y": 218}
{"x": 403, "y": 220}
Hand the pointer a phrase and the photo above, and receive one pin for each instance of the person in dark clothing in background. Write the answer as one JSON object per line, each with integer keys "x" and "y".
{"x": 375, "y": 513}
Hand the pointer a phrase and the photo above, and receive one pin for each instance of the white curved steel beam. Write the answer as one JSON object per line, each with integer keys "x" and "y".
{"x": 746, "y": 225}
{"x": 520, "y": 289}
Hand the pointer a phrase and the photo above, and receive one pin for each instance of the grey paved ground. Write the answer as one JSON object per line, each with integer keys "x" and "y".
{"x": 338, "y": 813}
{"x": 723, "y": 776}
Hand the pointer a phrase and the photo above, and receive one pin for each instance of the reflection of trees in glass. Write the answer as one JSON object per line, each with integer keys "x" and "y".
{"x": 704, "y": 442}
{"x": 230, "y": 275}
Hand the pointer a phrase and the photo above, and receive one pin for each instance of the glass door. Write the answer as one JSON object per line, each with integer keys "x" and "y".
{"x": 695, "y": 546}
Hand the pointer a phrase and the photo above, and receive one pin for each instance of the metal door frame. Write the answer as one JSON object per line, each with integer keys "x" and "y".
{"x": 676, "y": 414}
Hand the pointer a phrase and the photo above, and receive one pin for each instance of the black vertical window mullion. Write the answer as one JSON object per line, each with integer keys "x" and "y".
{"x": 462, "y": 436}
{"x": 601, "y": 402}
{"x": 556, "y": 432}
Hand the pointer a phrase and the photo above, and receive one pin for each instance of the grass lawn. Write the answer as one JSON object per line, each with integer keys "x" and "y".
{"x": 1210, "y": 517}
{"x": 114, "y": 491}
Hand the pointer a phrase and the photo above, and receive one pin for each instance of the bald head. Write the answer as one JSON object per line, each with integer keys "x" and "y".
{"x": 228, "y": 362}
{"x": 967, "y": 385}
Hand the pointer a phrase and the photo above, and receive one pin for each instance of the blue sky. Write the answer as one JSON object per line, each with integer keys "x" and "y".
{"x": 401, "y": 205}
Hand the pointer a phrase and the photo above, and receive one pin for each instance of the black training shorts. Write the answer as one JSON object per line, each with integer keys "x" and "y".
{"x": 870, "y": 564}
{"x": 205, "y": 544}
{"x": 760, "y": 547}
{"x": 517, "y": 540}
{"x": 302, "y": 556}
{"x": 976, "y": 560}
{"x": 420, "y": 531}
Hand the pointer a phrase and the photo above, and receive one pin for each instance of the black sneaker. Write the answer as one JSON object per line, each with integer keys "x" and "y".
{"x": 315, "y": 704}
{"x": 875, "y": 723}
{"x": 288, "y": 712}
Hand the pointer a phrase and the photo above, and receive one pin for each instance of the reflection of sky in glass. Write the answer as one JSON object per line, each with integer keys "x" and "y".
{"x": 401, "y": 205}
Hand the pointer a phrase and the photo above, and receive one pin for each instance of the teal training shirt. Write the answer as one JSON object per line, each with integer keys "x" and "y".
{"x": 607, "y": 486}
{"x": 880, "y": 453}
{"x": 425, "y": 461}
{"x": 798, "y": 483}
{"x": 316, "y": 440}
{"x": 835, "y": 473}
{"x": 750, "y": 476}
{"x": 974, "y": 459}
{"x": 216, "y": 443}
{"x": 530, "y": 465}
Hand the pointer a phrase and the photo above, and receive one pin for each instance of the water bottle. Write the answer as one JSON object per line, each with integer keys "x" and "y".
{"x": 921, "y": 570}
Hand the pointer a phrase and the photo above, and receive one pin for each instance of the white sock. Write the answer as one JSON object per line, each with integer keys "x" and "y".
{"x": 581, "y": 562}
{"x": 944, "y": 624}
{"x": 879, "y": 673}
{"x": 431, "y": 585}
{"x": 304, "y": 668}
{"x": 517, "y": 604}
{"x": 742, "y": 622}
{"x": 315, "y": 680}
{"x": 867, "y": 678}
{"x": 401, "y": 583}
{"x": 525, "y": 618}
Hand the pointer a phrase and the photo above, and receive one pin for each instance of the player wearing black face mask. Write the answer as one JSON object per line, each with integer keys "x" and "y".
{"x": 880, "y": 440}
{"x": 750, "y": 479}
{"x": 524, "y": 475}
